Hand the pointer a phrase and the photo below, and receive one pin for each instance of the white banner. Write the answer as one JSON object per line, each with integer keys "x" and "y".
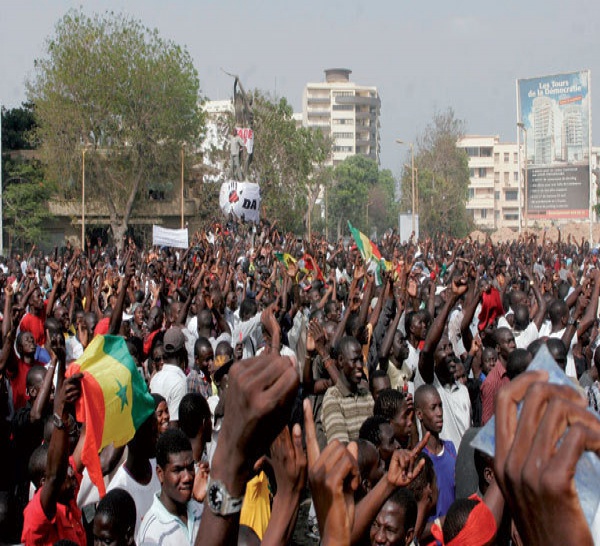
{"x": 177, "y": 238}
{"x": 242, "y": 199}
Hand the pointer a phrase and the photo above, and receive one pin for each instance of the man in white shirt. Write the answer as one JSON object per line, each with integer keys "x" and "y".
{"x": 174, "y": 517}
{"x": 170, "y": 381}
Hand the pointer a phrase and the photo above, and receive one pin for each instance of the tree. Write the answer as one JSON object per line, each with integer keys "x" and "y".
{"x": 383, "y": 209}
{"x": 349, "y": 196}
{"x": 443, "y": 178}
{"x": 17, "y": 128}
{"x": 116, "y": 88}
{"x": 25, "y": 202}
{"x": 288, "y": 162}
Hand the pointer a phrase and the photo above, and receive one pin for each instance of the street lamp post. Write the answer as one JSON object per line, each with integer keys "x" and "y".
{"x": 521, "y": 126}
{"x": 412, "y": 169}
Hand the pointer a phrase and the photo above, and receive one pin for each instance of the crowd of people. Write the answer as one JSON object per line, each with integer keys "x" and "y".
{"x": 303, "y": 395}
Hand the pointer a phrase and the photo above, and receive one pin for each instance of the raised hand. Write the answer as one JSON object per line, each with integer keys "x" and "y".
{"x": 333, "y": 476}
{"x": 534, "y": 472}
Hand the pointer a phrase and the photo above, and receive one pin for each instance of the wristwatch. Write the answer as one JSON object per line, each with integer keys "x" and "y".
{"x": 220, "y": 501}
{"x": 58, "y": 422}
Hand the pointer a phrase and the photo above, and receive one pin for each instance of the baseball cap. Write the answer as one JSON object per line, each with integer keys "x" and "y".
{"x": 174, "y": 340}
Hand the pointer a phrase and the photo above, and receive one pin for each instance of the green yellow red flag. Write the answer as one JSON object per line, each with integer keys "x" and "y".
{"x": 114, "y": 402}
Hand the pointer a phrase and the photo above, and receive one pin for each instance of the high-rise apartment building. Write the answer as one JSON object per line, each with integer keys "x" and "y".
{"x": 494, "y": 181}
{"x": 346, "y": 112}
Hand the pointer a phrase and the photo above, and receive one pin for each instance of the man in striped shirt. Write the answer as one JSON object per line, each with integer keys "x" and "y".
{"x": 348, "y": 403}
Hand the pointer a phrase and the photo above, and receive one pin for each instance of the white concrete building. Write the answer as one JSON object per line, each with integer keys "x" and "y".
{"x": 346, "y": 112}
{"x": 494, "y": 181}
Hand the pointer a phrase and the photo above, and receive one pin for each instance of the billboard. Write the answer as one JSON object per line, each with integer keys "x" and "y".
{"x": 554, "y": 113}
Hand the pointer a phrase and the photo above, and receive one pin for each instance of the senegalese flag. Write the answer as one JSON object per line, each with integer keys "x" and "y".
{"x": 369, "y": 250}
{"x": 366, "y": 247}
{"x": 285, "y": 258}
{"x": 114, "y": 402}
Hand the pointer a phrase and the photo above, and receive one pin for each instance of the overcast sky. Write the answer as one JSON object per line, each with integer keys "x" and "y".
{"x": 422, "y": 56}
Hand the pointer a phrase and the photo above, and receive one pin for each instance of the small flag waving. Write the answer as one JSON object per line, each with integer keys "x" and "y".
{"x": 114, "y": 399}
{"x": 366, "y": 247}
{"x": 285, "y": 258}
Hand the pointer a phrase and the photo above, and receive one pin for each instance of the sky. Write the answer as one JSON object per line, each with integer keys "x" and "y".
{"x": 422, "y": 56}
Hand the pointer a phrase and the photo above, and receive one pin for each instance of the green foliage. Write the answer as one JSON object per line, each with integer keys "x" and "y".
{"x": 17, "y": 127}
{"x": 113, "y": 85}
{"x": 359, "y": 185}
{"x": 25, "y": 202}
{"x": 443, "y": 178}
{"x": 288, "y": 162}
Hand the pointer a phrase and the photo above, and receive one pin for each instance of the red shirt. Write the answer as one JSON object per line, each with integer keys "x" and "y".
{"x": 489, "y": 389}
{"x": 35, "y": 325}
{"x": 39, "y": 530}
{"x": 18, "y": 384}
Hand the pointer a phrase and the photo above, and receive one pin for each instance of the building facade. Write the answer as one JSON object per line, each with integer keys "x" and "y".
{"x": 494, "y": 181}
{"x": 346, "y": 112}
{"x": 495, "y": 176}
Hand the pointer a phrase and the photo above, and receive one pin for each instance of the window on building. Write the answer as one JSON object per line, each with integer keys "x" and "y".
{"x": 511, "y": 195}
{"x": 496, "y": 157}
{"x": 515, "y": 176}
{"x": 515, "y": 157}
{"x": 472, "y": 151}
{"x": 496, "y": 176}
{"x": 483, "y": 214}
{"x": 497, "y": 195}
{"x": 472, "y": 173}
{"x": 486, "y": 151}
{"x": 343, "y": 135}
{"x": 482, "y": 172}
{"x": 506, "y": 177}
{"x": 343, "y": 107}
{"x": 506, "y": 155}
{"x": 511, "y": 216}
{"x": 342, "y": 148}
{"x": 343, "y": 93}
{"x": 471, "y": 193}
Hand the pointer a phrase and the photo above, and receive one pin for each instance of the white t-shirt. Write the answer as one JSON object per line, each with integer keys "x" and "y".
{"x": 171, "y": 384}
{"x": 527, "y": 336}
{"x": 143, "y": 495}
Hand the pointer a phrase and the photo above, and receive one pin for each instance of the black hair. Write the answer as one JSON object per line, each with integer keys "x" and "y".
{"x": 388, "y": 403}
{"x": 119, "y": 507}
{"x": 201, "y": 342}
{"x": 370, "y": 430}
{"x": 248, "y": 308}
{"x": 37, "y": 464}
{"x": 558, "y": 350}
{"x": 158, "y": 398}
{"x": 404, "y": 498}
{"x": 193, "y": 411}
{"x": 424, "y": 478}
{"x": 173, "y": 440}
{"x": 517, "y": 362}
{"x": 33, "y": 373}
{"x": 376, "y": 374}
{"x": 422, "y": 392}
{"x": 457, "y": 517}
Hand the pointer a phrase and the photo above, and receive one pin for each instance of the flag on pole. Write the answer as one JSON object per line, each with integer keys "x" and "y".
{"x": 366, "y": 247}
{"x": 114, "y": 401}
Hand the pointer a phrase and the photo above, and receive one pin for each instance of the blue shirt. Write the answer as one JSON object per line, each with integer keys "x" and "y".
{"x": 444, "y": 465}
